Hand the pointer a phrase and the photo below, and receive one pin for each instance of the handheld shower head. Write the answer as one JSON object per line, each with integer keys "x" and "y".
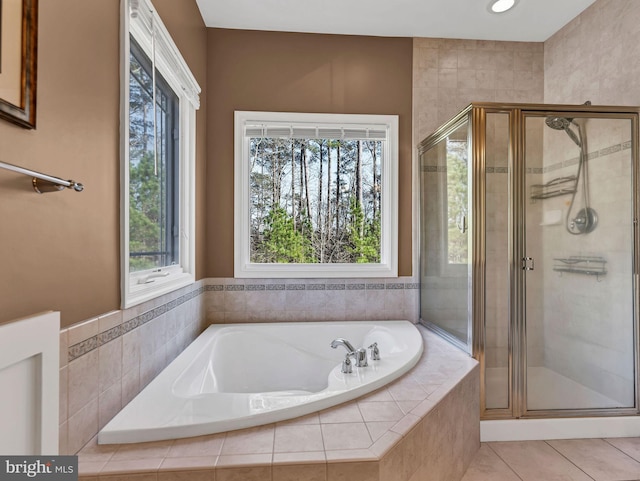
{"x": 558, "y": 123}
{"x": 563, "y": 123}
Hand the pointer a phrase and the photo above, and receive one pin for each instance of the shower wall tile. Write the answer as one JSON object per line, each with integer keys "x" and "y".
{"x": 474, "y": 71}
{"x": 590, "y": 58}
{"x": 584, "y": 324}
{"x": 448, "y": 75}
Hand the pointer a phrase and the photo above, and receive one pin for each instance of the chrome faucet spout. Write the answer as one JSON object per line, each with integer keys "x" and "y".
{"x": 342, "y": 342}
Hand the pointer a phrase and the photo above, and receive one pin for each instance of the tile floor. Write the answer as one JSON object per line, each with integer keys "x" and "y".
{"x": 616, "y": 459}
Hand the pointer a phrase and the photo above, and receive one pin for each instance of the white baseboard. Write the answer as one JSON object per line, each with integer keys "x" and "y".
{"x": 29, "y": 377}
{"x": 564, "y": 428}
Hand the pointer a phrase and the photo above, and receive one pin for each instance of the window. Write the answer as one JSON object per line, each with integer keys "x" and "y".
{"x": 153, "y": 172}
{"x": 457, "y": 201}
{"x": 159, "y": 97}
{"x": 315, "y": 195}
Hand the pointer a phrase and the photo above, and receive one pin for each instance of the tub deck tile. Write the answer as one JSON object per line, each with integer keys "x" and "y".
{"x": 126, "y": 466}
{"x": 343, "y": 413}
{"x": 378, "y": 428}
{"x": 189, "y": 463}
{"x": 351, "y": 455}
{"x": 244, "y": 460}
{"x": 345, "y": 436}
{"x": 197, "y": 446}
{"x": 289, "y": 439}
{"x": 380, "y": 411}
{"x": 405, "y": 425}
{"x": 307, "y": 457}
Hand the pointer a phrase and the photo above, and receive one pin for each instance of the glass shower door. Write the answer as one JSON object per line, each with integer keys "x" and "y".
{"x": 578, "y": 263}
{"x": 445, "y": 264}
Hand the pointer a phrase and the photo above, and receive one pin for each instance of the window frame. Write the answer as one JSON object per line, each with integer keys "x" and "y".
{"x": 388, "y": 266}
{"x": 140, "y": 20}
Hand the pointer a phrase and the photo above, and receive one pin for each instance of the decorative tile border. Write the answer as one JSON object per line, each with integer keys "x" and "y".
{"x": 612, "y": 149}
{"x": 94, "y": 342}
{"x": 103, "y": 338}
{"x": 330, "y": 285}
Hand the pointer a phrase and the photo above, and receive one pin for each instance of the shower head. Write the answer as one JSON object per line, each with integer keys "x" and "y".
{"x": 558, "y": 123}
{"x": 563, "y": 123}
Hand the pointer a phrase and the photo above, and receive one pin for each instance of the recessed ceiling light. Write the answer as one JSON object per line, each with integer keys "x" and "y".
{"x": 501, "y": 6}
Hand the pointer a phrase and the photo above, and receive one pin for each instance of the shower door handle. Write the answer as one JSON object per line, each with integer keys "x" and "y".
{"x": 528, "y": 263}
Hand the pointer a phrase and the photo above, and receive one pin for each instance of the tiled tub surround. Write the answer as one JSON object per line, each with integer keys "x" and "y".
{"x": 278, "y": 300}
{"x": 106, "y": 361}
{"x": 423, "y": 426}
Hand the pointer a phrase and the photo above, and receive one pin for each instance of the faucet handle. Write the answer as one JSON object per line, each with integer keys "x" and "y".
{"x": 346, "y": 365}
{"x": 375, "y": 352}
{"x": 361, "y": 358}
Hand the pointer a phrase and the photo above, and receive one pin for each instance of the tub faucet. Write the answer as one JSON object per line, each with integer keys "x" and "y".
{"x": 360, "y": 355}
{"x": 342, "y": 342}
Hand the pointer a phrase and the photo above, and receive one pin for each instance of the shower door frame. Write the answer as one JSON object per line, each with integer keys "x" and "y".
{"x": 464, "y": 117}
{"x": 518, "y": 340}
{"x": 476, "y": 114}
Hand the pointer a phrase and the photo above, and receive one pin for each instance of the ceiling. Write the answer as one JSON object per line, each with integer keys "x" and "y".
{"x": 528, "y": 21}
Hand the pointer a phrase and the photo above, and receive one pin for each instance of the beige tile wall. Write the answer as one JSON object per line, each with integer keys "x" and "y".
{"x": 449, "y": 74}
{"x": 594, "y": 57}
{"x": 279, "y": 300}
{"x": 588, "y": 320}
{"x": 106, "y": 361}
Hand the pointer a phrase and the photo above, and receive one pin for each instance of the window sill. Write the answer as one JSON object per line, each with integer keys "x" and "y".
{"x": 298, "y": 271}
{"x": 139, "y": 293}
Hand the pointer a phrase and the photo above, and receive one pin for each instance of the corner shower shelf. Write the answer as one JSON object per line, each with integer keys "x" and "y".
{"x": 555, "y": 187}
{"x": 586, "y": 265}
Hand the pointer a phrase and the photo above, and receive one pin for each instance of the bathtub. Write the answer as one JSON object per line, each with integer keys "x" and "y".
{"x": 236, "y": 376}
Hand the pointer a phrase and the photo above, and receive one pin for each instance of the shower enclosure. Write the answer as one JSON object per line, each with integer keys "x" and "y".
{"x": 529, "y": 254}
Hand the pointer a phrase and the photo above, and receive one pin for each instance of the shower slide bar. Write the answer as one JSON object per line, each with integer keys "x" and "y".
{"x": 48, "y": 183}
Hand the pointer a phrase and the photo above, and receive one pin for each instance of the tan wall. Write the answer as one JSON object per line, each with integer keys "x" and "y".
{"x": 270, "y": 71}
{"x": 184, "y": 22}
{"x": 60, "y": 251}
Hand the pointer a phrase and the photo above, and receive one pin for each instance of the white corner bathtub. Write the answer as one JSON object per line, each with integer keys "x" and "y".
{"x": 236, "y": 376}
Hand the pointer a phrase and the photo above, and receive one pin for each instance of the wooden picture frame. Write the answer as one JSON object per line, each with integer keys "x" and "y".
{"x": 18, "y": 61}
